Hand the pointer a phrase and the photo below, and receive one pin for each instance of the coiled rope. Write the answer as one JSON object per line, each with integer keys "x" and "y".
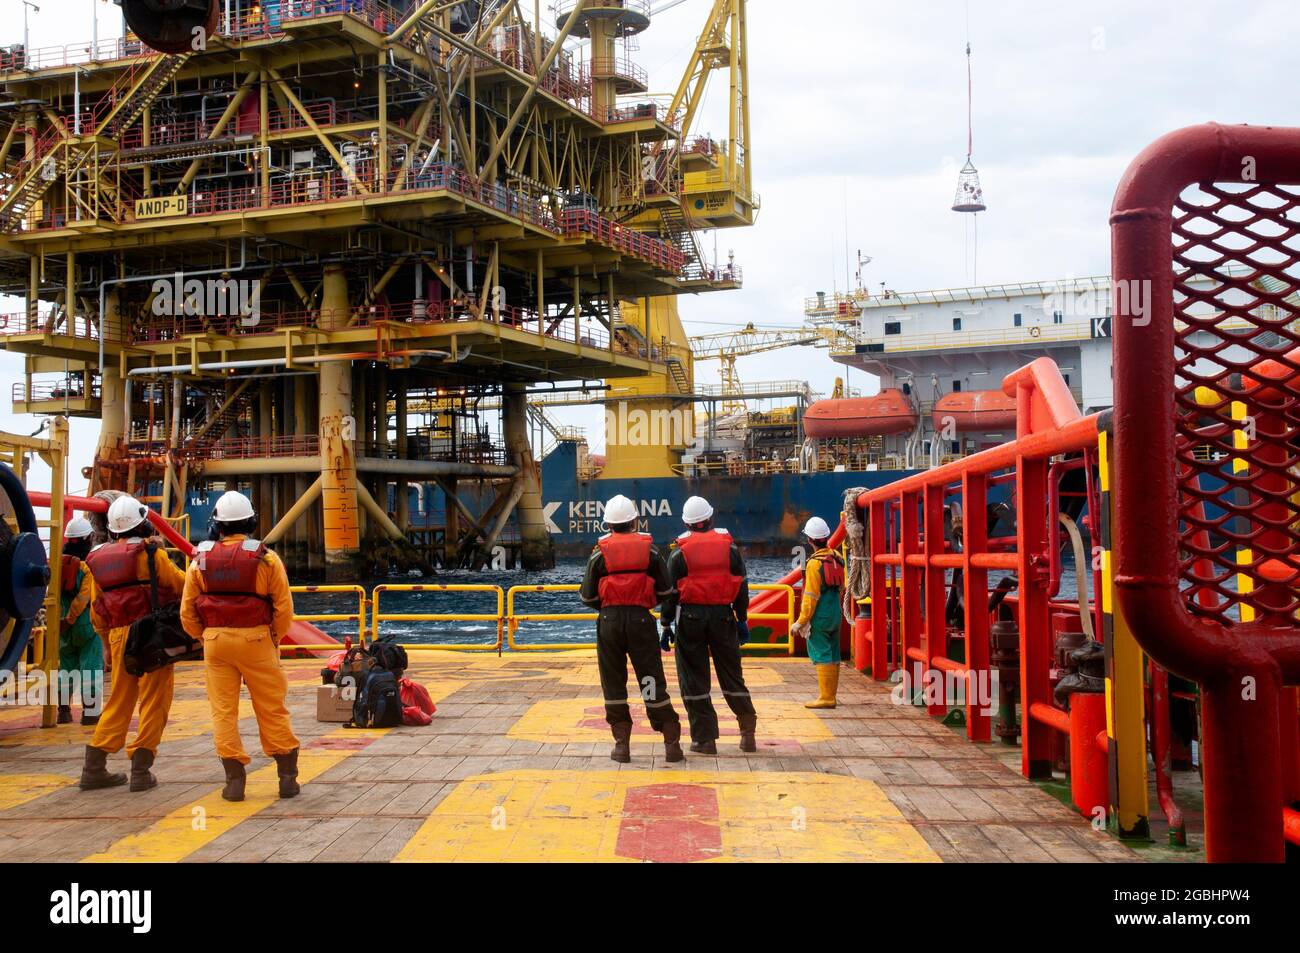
{"x": 857, "y": 574}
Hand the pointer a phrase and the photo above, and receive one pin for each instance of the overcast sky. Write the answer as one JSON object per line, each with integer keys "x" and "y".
{"x": 859, "y": 112}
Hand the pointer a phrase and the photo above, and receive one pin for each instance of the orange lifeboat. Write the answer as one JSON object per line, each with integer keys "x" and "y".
{"x": 889, "y": 412}
{"x": 975, "y": 410}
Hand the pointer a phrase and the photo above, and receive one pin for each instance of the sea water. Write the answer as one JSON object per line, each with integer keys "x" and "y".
{"x": 433, "y": 601}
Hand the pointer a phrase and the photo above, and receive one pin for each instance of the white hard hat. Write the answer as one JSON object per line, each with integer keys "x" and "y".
{"x": 232, "y": 507}
{"x": 696, "y": 510}
{"x": 620, "y": 510}
{"x": 816, "y": 528}
{"x": 125, "y": 514}
{"x": 78, "y": 528}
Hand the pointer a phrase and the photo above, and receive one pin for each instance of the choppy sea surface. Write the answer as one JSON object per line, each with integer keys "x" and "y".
{"x": 432, "y": 601}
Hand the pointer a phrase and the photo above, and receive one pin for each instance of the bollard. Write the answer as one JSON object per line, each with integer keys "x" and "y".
{"x": 862, "y": 643}
{"x": 1088, "y": 785}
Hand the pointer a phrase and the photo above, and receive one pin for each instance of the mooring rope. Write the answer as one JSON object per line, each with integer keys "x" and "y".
{"x": 857, "y": 574}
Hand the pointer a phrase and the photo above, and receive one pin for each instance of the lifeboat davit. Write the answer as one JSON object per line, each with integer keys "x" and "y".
{"x": 889, "y": 412}
{"x": 975, "y": 410}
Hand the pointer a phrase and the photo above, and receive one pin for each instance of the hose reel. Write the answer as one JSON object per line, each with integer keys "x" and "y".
{"x": 24, "y": 572}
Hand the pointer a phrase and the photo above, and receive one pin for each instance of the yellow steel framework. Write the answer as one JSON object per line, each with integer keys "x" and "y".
{"x": 242, "y": 258}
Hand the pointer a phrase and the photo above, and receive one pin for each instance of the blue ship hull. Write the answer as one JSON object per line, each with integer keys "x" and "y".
{"x": 763, "y": 513}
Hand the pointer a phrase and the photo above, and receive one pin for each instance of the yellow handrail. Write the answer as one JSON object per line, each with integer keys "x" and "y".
{"x": 359, "y": 617}
{"x": 377, "y": 616}
{"x": 514, "y": 619}
{"x": 787, "y": 617}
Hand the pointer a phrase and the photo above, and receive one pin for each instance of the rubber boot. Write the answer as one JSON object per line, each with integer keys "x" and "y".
{"x": 286, "y": 766}
{"x": 828, "y": 681}
{"x": 65, "y": 715}
{"x": 622, "y": 750}
{"x": 747, "y": 725}
{"x": 142, "y": 778}
{"x": 673, "y": 742}
{"x": 704, "y": 747}
{"x": 95, "y": 773}
{"x": 236, "y": 778}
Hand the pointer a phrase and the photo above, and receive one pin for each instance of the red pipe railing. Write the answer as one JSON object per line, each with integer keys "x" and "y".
{"x": 1202, "y": 229}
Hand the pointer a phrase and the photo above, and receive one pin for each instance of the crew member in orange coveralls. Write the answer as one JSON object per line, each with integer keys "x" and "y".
{"x": 120, "y": 596}
{"x": 237, "y": 601}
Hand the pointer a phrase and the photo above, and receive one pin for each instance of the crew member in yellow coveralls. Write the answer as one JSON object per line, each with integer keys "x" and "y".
{"x": 237, "y": 601}
{"x": 820, "y": 615}
{"x": 120, "y": 595}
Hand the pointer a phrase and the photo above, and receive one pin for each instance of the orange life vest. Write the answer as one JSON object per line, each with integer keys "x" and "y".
{"x": 69, "y": 566}
{"x": 708, "y": 580}
{"x": 627, "y": 562}
{"x": 123, "y": 595}
{"x": 230, "y": 598}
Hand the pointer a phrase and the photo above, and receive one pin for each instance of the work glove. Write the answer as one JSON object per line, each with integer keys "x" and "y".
{"x": 666, "y": 638}
{"x": 742, "y": 631}
{"x": 800, "y": 629}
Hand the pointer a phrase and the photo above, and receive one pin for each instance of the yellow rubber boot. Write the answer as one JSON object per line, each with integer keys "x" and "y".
{"x": 828, "y": 682}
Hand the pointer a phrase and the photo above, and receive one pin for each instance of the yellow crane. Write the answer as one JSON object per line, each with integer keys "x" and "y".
{"x": 726, "y": 346}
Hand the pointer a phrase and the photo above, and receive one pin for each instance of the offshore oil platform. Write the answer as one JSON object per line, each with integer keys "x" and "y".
{"x": 305, "y": 247}
{"x": 293, "y": 247}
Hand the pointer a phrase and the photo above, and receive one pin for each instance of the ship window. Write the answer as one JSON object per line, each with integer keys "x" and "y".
{"x": 1067, "y": 379}
{"x": 1058, "y": 317}
{"x": 956, "y": 324}
{"x": 956, "y": 446}
{"x": 893, "y": 327}
{"x": 956, "y": 387}
{"x": 1018, "y": 319}
{"x": 907, "y": 388}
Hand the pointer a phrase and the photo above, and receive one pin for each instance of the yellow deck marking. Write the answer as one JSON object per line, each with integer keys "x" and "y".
{"x": 564, "y": 720}
{"x": 584, "y": 816}
{"x": 18, "y": 789}
{"x": 186, "y": 829}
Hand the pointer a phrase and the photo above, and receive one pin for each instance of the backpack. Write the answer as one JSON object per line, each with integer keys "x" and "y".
{"x": 378, "y": 703}
{"x": 389, "y": 656}
{"x": 158, "y": 640}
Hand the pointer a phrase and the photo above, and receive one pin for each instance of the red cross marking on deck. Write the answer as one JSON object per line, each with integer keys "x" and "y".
{"x": 670, "y": 823}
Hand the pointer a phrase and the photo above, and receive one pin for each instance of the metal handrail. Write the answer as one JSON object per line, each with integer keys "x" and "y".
{"x": 377, "y": 616}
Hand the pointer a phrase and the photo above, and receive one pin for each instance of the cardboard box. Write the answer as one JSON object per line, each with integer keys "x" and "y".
{"x": 331, "y": 706}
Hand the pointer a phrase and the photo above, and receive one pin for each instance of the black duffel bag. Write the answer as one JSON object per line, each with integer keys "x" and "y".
{"x": 158, "y": 640}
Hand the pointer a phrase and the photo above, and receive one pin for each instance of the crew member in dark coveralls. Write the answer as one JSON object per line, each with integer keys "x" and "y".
{"x": 626, "y": 578}
{"x": 709, "y": 608}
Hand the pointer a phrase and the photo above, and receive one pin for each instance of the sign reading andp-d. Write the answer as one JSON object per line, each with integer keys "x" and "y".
{"x": 163, "y": 206}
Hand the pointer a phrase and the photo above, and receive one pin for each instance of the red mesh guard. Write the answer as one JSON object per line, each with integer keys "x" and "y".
{"x": 1237, "y": 399}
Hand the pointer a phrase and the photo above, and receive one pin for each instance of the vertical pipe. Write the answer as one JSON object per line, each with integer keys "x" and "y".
{"x": 337, "y": 430}
{"x": 114, "y": 407}
{"x": 975, "y": 536}
{"x": 908, "y": 545}
{"x": 881, "y": 597}
{"x": 1243, "y": 821}
{"x": 537, "y": 551}
{"x": 936, "y": 623}
{"x": 1036, "y": 752}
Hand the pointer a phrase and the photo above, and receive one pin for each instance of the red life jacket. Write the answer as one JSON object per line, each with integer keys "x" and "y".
{"x": 832, "y": 570}
{"x": 123, "y": 595}
{"x": 627, "y": 562}
{"x": 68, "y": 568}
{"x": 230, "y": 598}
{"x": 708, "y": 580}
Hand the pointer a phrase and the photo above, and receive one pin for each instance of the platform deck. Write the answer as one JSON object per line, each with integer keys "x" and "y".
{"x": 515, "y": 767}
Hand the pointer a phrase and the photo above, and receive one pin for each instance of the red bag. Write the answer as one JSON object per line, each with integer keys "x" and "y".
{"x": 417, "y": 707}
